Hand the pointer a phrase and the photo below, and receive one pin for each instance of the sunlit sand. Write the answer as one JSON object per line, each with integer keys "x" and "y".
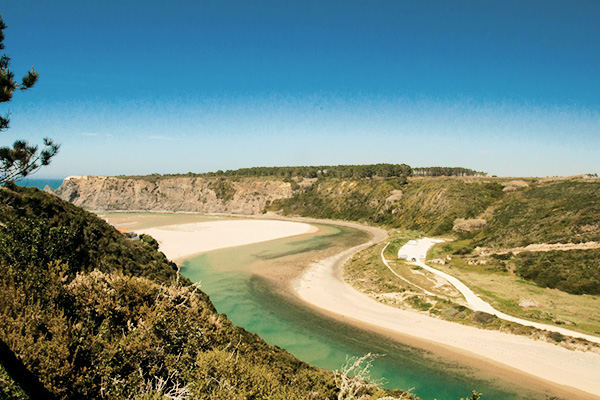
{"x": 321, "y": 287}
{"x": 185, "y": 240}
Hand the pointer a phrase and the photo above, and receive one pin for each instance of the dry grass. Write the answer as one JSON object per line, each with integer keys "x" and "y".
{"x": 468, "y": 225}
{"x": 514, "y": 296}
{"x": 513, "y": 186}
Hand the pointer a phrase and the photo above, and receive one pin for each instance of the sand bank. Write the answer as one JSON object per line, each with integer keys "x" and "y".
{"x": 186, "y": 240}
{"x": 320, "y": 286}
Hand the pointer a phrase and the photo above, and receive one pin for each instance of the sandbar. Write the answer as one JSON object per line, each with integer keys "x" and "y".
{"x": 182, "y": 241}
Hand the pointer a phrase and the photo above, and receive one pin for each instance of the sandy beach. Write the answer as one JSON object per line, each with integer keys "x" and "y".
{"x": 182, "y": 241}
{"x": 321, "y": 286}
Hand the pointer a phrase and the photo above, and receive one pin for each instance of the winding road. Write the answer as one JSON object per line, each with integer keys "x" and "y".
{"x": 418, "y": 251}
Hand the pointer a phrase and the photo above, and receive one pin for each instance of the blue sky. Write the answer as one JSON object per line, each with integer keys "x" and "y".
{"x": 135, "y": 87}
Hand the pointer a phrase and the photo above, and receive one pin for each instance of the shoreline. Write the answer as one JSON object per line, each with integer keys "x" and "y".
{"x": 321, "y": 287}
{"x": 573, "y": 373}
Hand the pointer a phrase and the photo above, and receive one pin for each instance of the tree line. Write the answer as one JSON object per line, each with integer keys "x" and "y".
{"x": 446, "y": 171}
{"x": 337, "y": 171}
{"x": 325, "y": 171}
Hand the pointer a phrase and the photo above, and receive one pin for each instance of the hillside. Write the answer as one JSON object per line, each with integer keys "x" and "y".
{"x": 553, "y": 212}
{"x": 192, "y": 194}
{"x": 90, "y": 313}
{"x": 482, "y": 213}
{"x": 428, "y": 204}
{"x": 564, "y": 211}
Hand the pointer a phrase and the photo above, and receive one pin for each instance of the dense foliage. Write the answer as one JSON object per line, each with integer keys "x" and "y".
{"x": 337, "y": 171}
{"x": 562, "y": 211}
{"x": 429, "y": 205}
{"x": 340, "y": 199}
{"x": 576, "y": 272}
{"x": 446, "y": 171}
{"x": 508, "y": 214}
{"x": 38, "y": 228}
{"x": 547, "y": 212}
{"x": 89, "y": 313}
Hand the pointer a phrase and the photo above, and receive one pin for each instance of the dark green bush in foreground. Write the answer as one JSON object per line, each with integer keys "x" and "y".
{"x": 88, "y": 313}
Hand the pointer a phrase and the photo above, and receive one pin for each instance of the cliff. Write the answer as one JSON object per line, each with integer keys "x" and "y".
{"x": 246, "y": 196}
{"x": 509, "y": 213}
{"x": 426, "y": 204}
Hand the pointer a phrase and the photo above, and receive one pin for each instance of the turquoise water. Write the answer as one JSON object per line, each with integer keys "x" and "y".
{"x": 40, "y": 183}
{"x": 255, "y": 303}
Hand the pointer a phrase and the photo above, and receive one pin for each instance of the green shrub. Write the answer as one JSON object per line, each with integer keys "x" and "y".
{"x": 573, "y": 271}
{"x": 93, "y": 314}
{"x": 149, "y": 240}
{"x": 556, "y": 336}
{"x": 484, "y": 318}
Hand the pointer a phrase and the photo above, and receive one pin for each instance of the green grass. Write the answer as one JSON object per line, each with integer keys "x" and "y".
{"x": 505, "y": 291}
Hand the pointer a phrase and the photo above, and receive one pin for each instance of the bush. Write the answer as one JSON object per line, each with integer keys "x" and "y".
{"x": 484, "y": 318}
{"x": 149, "y": 240}
{"x": 467, "y": 225}
{"x": 573, "y": 271}
{"x": 556, "y": 336}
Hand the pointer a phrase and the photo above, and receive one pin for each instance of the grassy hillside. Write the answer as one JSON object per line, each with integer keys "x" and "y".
{"x": 545, "y": 212}
{"x": 566, "y": 211}
{"x": 493, "y": 213}
{"x": 427, "y": 204}
{"x": 89, "y": 313}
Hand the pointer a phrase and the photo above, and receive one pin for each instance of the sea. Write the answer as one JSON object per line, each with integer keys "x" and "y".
{"x": 40, "y": 183}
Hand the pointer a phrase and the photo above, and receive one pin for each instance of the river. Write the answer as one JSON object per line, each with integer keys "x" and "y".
{"x": 248, "y": 284}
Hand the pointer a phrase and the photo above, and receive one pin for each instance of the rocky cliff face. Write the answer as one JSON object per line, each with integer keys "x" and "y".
{"x": 203, "y": 195}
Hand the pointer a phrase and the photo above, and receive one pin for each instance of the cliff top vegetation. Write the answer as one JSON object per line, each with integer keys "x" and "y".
{"x": 325, "y": 171}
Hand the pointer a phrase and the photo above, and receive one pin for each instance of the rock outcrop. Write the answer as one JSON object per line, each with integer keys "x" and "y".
{"x": 247, "y": 196}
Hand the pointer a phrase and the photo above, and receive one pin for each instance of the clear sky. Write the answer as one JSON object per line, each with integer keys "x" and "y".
{"x": 135, "y": 87}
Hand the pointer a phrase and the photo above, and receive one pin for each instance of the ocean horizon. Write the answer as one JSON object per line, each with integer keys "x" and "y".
{"x": 40, "y": 183}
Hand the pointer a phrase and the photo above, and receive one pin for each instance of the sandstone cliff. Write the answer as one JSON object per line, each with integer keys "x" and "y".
{"x": 192, "y": 194}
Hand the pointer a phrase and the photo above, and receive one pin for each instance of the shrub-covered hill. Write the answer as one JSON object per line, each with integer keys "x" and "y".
{"x": 89, "y": 313}
{"x": 544, "y": 212}
{"x": 494, "y": 213}
{"x": 429, "y": 205}
{"x": 514, "y": 212}
{"x": 566, "y": 211}
{"x": 489, "y": 212}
